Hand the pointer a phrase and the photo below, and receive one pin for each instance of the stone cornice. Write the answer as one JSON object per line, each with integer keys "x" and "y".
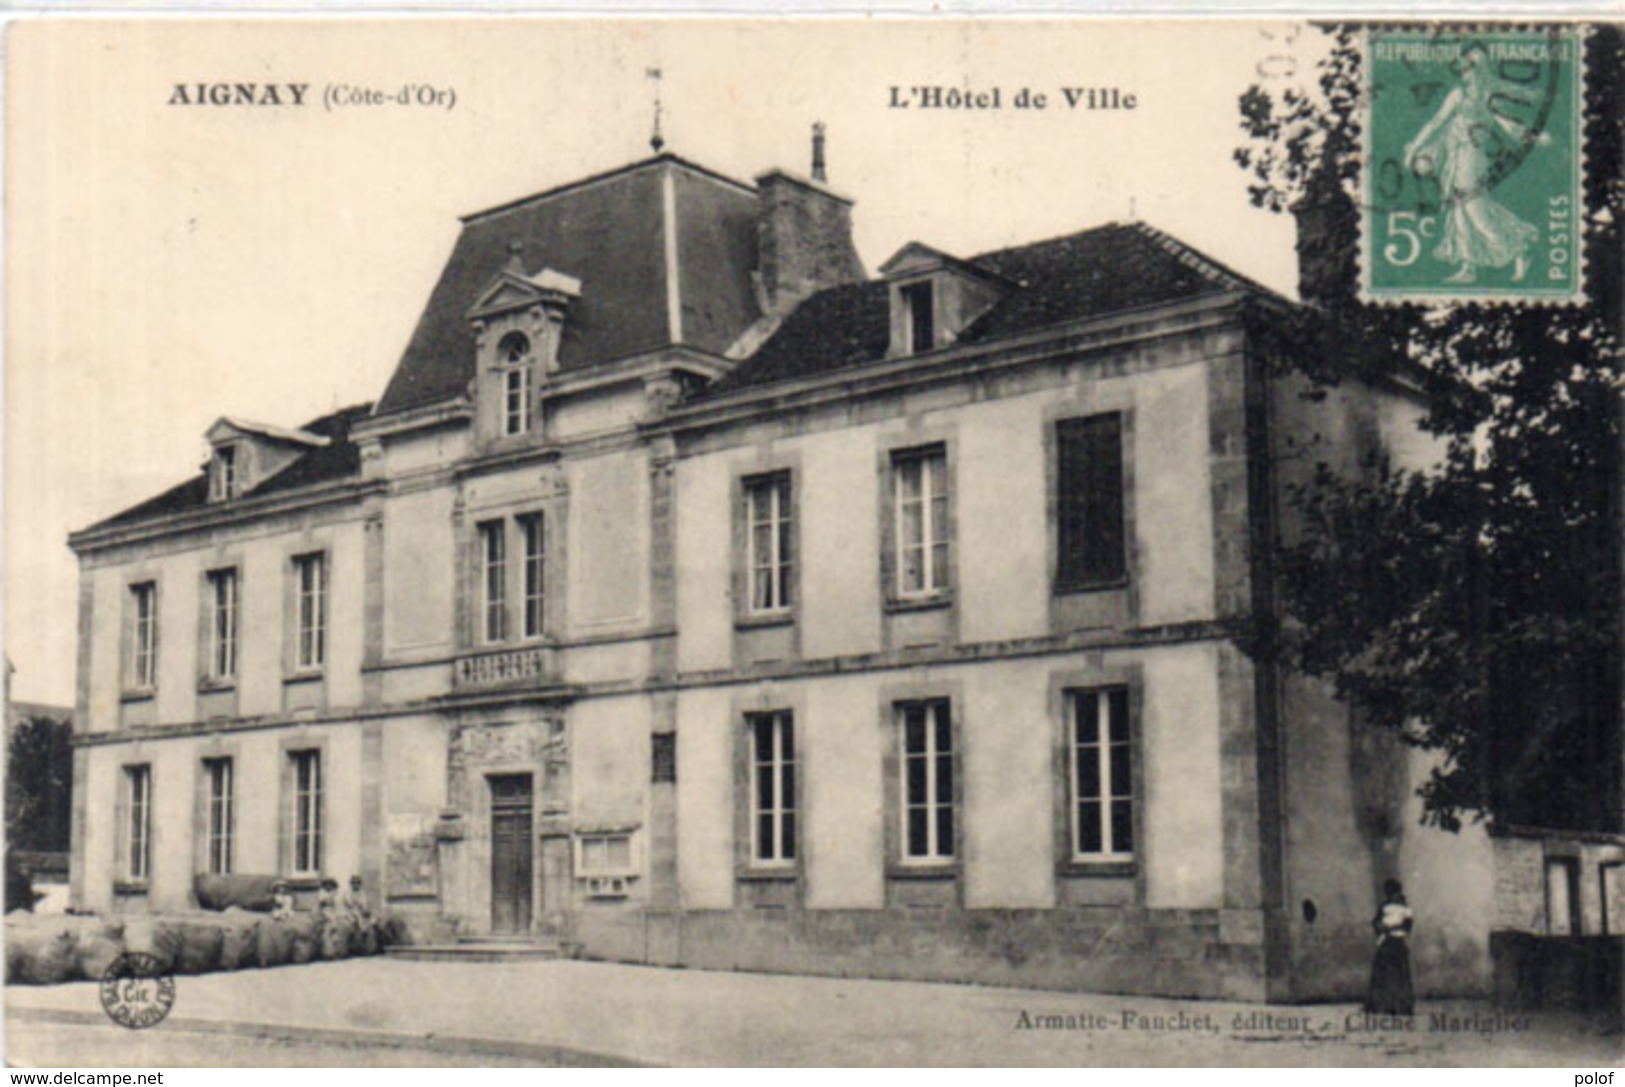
{"x": 239, "y": 512}
{"x": 1208, "y": 630}
{"x": 887, "y": 375}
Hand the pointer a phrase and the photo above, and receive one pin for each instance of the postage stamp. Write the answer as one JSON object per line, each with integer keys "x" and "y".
{"x": 136, "y": 991}
{"x": 1473, "y": 166}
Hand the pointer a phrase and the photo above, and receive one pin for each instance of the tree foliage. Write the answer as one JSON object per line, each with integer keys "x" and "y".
{"x": 1473, "y": 608}
{"x": 39, "y": 785}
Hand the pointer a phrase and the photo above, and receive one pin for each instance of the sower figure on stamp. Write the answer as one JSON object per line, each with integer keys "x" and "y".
{"x": 1479, "y": 231}
{"x": 1391, "y": 992}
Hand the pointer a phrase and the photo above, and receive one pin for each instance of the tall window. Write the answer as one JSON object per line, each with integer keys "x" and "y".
{"x": 920, "y": 492}
{"x": 534, "y": 530}
{"x": 768, "y": 542}
{"x": 514, "y": 352}
{"x": 138, "y": 837}
{"x": 221, "y": 816}
{"x": 927, "y": 764}
{"x": 307, "y": 811}
{"x": 223, "y": 624}
{"x": 310, "y": 578}
{"x": 917, "y": 306}
{"x": 773, "y": 787}
{"x": 144, "y": 635}
{"x": 225, "y": 472}
{"x": 1102, "y": 775}
{"x": 1089, "y": 502}
{"x": 493, "y": 581}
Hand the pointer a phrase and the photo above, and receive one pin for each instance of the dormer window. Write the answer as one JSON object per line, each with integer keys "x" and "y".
{"x": 919, "y": 318}
{"x": 517, "y": 383}
{"x": 518, "y": 324}
{"x": 243, "y": 454}
{"x": 936, "y": 298}
{"x": 225, "y": 473}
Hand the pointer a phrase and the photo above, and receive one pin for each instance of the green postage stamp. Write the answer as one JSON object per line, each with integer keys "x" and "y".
{"x": 1473, "y": 165}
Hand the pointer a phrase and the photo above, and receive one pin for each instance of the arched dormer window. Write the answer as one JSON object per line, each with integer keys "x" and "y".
{"x": 513, "y": 354}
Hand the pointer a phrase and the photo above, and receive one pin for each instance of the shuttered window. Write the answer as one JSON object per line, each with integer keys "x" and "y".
{"x": 1089, "y": 502}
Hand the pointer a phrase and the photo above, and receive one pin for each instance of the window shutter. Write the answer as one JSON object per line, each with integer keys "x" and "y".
{"x": 1089, "y": 501}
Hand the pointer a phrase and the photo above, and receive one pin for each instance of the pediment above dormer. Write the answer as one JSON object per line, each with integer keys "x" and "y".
{"x": 226, "y": 429}
{"x": 511, "y": 290}
{"x": 913, "y": 258}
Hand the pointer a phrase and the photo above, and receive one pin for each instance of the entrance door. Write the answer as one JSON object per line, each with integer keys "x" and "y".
{"x": 510, "y": 854}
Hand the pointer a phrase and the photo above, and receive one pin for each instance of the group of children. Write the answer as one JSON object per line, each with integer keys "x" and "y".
{"x": 331, "y": 906}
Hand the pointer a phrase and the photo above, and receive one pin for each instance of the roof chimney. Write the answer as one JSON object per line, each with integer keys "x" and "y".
{"x": 818, "y": 152}
{"x": 1327, "y": 242}
{"x": 803, "y": 241}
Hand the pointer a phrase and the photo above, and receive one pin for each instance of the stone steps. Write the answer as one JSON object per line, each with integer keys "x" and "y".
{"x": 480, "y": 949}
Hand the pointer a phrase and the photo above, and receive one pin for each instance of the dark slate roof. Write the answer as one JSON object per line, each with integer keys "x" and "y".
{"x": 1109, "y": 269}
{"x": 338, "y": 459}
{"x": 609, "y": 232}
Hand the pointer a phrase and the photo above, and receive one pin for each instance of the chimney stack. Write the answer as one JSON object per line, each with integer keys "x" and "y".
{"x": 1327, "y": 242}
{"x": 818, "y": 151}
{"x": 803, "y": 241}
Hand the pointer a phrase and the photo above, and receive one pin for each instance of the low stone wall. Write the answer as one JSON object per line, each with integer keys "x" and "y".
{"x": 1177, "y": 953}
{"x": 1559, "y": 973}
{"x": 52, "y": 950}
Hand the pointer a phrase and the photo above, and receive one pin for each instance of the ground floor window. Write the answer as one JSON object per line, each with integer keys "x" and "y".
{"x": 925, "y": 739}
{"x": 138, "y": 822}
{"x": 221, "y": 818}
{"x": 307, "y": 811}
{"x": 772, "y": 787}
{"x": 1101, "y": 775}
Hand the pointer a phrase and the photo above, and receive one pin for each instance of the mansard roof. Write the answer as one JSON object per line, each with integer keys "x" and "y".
{"x": 1108, "y": 269}
{"x": 609, "y": 232}
{"x": 337, "y": 458}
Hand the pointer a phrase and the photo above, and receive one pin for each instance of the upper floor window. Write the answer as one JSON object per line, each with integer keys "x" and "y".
{"x": 920, "y": 498}
{"x": 138, "y": 822}
{"x": 222, "y": 624}
{"x": 307, "y": 811}
{"x": 493, "y": 581}
{"x": 220, "y": 817}
{"x": 1101, "y": 775}
{"x": 1089, "y": 502}
{"x": 310, "y": 605}
{"x": 772, "y": 787}
{"x": 768, "y": 542}
{"x": 533, "y": 531}
{"x": 144, "y": 635}
{"x": 926, "y": 762}
{"x": 224, "y": 476}
{"x": 919, "y": 316}
{"x": 517, "y": 383}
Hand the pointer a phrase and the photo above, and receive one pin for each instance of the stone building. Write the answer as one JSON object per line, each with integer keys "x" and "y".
{"x": 690, "y": 596}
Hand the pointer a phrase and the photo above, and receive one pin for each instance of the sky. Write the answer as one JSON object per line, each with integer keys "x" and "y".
{"x": 168, "y": 264}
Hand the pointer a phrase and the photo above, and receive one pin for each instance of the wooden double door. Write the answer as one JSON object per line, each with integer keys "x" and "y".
{"x": 513, "y": 852}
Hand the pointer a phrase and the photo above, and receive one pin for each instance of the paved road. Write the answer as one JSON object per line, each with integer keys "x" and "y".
{"x": 573, "y": 1012}
{"x": 103, "y": 1045}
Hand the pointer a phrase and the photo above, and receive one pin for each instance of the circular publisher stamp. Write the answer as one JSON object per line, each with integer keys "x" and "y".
{"x": 1473, "y": 164}
{"x": 136, "y": 991}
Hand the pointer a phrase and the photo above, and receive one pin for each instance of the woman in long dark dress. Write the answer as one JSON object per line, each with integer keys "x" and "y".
{"x": 1391, "y": 992}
